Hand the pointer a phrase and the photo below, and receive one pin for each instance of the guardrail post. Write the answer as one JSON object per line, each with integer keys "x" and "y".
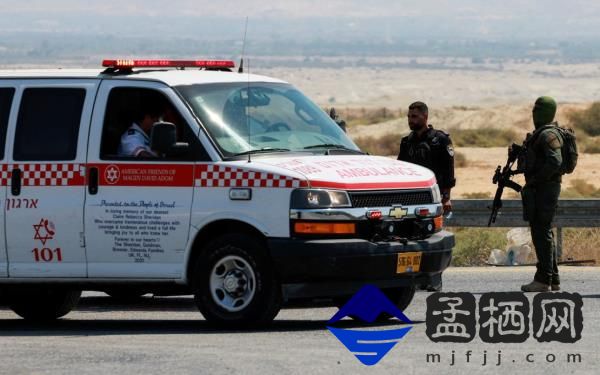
{"x": 559, "y": 243}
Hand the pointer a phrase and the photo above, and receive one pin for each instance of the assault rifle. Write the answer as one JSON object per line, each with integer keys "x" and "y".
{"x": 502, "y": 179}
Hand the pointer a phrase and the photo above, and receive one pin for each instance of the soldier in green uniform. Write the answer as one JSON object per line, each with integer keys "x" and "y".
{"x": 541, "y": 191}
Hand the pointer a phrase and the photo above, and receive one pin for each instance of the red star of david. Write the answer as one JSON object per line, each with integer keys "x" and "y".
{"x": 112, "y": 174}
{"x": 43, "y": 231}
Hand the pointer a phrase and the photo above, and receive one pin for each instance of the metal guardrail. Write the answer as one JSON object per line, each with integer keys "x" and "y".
{"x": 571, "y": 213}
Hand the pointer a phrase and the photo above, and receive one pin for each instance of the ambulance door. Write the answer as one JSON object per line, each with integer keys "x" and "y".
{"x": 7, "y": 93}
{"x": 137, "y": 214}
{"x": 46, "y": 174}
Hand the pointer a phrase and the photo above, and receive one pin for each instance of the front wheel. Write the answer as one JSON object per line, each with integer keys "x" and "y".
{"x": 43, "y": 304}
{"x": 234, "y": 282}
{"x": 401, "y": 297}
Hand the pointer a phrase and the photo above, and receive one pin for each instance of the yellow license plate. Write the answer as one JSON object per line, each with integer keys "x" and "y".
{"x": 408, "y": 262}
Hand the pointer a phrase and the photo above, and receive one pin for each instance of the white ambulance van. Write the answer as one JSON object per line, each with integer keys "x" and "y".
{"x": 241, "y": 192}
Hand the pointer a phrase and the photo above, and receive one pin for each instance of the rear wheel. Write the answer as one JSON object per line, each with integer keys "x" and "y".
{"x": 234, "y": 282}
{"x": 43, "y": 304}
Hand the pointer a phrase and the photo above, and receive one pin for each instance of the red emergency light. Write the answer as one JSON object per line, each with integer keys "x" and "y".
{"x": 374, "y": 215}
{"x": 128, "y": 64}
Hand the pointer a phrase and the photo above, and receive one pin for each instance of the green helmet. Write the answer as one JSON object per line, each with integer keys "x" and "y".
{"x": 544, "y": 111}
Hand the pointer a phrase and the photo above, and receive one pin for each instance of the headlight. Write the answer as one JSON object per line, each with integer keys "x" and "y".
{"x": 435, "y": 192}
{"x": 317, "y": 198}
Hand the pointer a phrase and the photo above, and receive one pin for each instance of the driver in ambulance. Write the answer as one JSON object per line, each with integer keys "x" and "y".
{"x": 135, "y": 142}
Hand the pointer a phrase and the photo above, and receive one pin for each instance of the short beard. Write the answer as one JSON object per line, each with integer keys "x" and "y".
{"x": 416, "y": 127}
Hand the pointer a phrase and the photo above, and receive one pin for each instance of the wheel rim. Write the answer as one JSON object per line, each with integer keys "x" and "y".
{"x": 232, "y": 283}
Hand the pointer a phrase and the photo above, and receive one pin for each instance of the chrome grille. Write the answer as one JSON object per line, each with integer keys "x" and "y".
{"x": 390, "y": 198}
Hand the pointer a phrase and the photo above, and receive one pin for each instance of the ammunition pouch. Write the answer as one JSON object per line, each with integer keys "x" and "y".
{"x": 528, "y": 198}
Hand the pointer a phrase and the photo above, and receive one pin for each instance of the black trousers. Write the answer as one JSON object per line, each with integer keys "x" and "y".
{"x": 539, "y": 208}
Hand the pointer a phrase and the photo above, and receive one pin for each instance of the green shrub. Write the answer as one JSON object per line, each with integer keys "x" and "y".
{"x": 473, "y": 245}
{"x": 485, "y": 137}
{"x": 587, "y": 120}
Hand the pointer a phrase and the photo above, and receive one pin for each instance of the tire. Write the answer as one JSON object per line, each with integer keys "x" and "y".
{"x": 234, "y": 283}
{"x": 43, "y": 304}
{"x": 401, "y": 297}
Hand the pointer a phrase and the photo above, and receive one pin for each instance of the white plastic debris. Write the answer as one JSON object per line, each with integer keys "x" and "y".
{"x": 497, "y": 257}
{"x": 520, "y": 254}
{"x": 517, "y": 250}
{"x": 518, "y": 237}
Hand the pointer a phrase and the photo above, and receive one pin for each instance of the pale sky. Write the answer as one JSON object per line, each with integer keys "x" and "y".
{"x": 486, "y": 9}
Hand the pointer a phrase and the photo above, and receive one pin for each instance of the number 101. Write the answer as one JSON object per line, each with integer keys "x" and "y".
{"x": 47, "y": 255}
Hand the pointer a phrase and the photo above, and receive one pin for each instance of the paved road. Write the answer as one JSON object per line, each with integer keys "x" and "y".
{"x": 168, "y": 336}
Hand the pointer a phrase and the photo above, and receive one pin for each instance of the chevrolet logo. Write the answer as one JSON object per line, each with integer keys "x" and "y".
{"x": 398, "y": 212}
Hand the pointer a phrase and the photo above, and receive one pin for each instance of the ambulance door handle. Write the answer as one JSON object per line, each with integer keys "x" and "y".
{"x": 93, "y": 181}
{"x": 15, "y": 182}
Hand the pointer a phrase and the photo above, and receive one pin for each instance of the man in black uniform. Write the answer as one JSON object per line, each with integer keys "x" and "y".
{"x": 430, "y": 148}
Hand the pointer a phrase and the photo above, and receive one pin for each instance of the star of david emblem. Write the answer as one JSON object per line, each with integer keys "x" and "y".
{"x": 112, "y": 174}
{"x": 44, "y": 231}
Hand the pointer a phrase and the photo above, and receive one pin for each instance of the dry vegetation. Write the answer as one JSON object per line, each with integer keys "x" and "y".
{"x": 387, "y": 145}
{"x": 478, "y": 195}
{"x": 591, "y": 145}
{"x": 581, "y": 244}
{"x": 587, "y": 124}
{"x": 369, "y": 116}
{"x": 485, "y": 137}
{"x": 460, "y": 160}
{"x": 473, "y": 245}
{"x": 580, "y": 189}
{"x": 587, "y": 120}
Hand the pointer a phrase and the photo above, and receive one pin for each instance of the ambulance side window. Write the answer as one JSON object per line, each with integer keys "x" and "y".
{"x": 48, "y": 124}
{"x": 127, "y": 107}
{"x": 6, "y": 97}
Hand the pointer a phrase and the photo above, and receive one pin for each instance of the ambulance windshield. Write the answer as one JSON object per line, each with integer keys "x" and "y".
{"x": 263, "y": 117}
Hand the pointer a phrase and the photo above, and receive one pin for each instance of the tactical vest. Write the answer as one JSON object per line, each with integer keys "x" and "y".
{"x": 568, "y": 148}
{"x": 422, "y": 152}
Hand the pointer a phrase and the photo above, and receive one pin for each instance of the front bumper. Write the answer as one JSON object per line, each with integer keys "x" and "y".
{"x": 327, "y": 268}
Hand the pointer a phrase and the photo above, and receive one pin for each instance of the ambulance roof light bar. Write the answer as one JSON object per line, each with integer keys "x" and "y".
{"x": 130, "y": 64}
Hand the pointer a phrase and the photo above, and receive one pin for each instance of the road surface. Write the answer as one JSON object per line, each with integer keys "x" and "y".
{"x": 168, "y": 336}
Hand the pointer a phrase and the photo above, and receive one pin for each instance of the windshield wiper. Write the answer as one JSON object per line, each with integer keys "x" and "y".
{"x": 333, "y": 145}
{"x": 262, "y": 151}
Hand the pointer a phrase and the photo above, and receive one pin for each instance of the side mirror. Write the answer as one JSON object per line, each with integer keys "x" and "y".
{"x": 163, "y": 139}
